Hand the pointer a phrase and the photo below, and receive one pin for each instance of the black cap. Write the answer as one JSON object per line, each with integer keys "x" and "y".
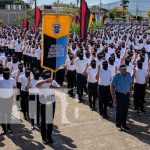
{"x": 122, "y": 66}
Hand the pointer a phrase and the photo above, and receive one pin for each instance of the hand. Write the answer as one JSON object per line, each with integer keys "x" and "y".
{"x": 29, "y": 79}
{"x": 114, "y": 97}
{"x": 49, "y": 80}
{"x": 19, "y": 73}
{"x": 99, "y": 67}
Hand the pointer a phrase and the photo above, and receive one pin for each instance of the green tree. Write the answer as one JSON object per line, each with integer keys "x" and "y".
{"x": 124, "y": 4}
{"x": 139, "y": 18}
{"x": 148, "y": 13}
{"x": 114, "y": 13}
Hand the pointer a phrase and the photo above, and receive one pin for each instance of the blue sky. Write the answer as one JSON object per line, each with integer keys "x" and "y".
{"x": 90, "y": 2}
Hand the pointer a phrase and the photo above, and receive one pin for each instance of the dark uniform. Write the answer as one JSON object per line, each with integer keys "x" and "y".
{"x": 121, "y": 83}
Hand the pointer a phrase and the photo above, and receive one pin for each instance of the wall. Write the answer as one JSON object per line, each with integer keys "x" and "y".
{"x": 9, "y": 16}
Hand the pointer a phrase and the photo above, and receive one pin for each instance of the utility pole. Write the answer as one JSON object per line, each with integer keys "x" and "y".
{"x": 57, "y": 6}
{"x": 137, "y": 11}
{"x": 100, "y": 6}
{"x": 77, "y": 3}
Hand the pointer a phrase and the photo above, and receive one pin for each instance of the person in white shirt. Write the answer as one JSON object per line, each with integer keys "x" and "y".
{"x": 140, "y": 77}
{"x": 1, "y": 70}
{"x": 18, "y": 50}
{"x": 34, "y": 111}
{"x": 46, "y": 86}
{"x": 81, "y": 66}
{"x": 71, "y": 75}
{"x": 7, "y": 86}
{"x": 92, "y": 84}
{"x": 22, "y": 79}
{"x": 104, "y": 76}
{"x": 147, "y": 48}
{"x": 14, "y": 75}
{"x": 15, "y": 63}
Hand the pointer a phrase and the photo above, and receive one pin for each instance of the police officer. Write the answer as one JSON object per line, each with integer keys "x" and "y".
{"x": 140, "y": 78}
{"x": 92, "y": 84}
{"x": 104, "y": 76}
{"x": 120, "y": 90}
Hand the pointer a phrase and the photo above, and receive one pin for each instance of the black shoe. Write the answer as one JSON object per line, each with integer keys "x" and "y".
{"x": 50, "y": 141}
{"x": 101, "y": 116}
{"x": 119, "y": 128}
{"x": 143, "y": 111}
{"x": 44, "y": 142}
{"x": 3, "y": 133}
{"x": 125, "y": 127}
{"x": 106, "y": 116}
{"x": 9, "y": 132}
{"x": 32, "y": 127}
{"x": 94, "y": 108}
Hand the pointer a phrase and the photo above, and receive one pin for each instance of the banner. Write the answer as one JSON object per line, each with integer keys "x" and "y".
{"x": 55, "y": 36}
{"x": 90, "y": 20}
{"x": 98, "y": 19}
{"x": 84, "y": 18}
{"x": 37, "y": 18}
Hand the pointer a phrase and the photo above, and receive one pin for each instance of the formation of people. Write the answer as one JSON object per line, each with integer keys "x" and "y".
{"x": 108, "y": 65}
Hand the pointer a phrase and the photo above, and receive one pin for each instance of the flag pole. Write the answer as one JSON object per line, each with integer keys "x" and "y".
{"x": 80, "y": 17}
{"x": 35, "y": 15}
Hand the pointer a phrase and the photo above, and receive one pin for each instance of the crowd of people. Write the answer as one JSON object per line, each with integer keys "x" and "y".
{"x": 108, "y": 65}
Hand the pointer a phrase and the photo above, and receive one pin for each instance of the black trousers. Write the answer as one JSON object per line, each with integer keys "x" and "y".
{"x": 11, "y": 51}
{"x": 5, "y": 112}
{"x": 60, "y": 74}
{"x": 34, "y": 109}
{"x": 139, "y": 95}
{"x": 33, "y": 63}
{"x": 122, "y": 101}
{"x": 19, "y": 56}
{"x": 25, "y": 102}
{"x": 92, "y": 93}
{"x": 25, "y": 60}
{"x": 104, "y": 98}
{"x": 81, "y": 85}
{"x": 46, "y": 128}
{"x": 71, "y": 77}
{"x": 18, "y": 97}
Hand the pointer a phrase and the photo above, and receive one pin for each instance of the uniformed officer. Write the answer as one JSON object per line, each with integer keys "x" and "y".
{"x": 120, "y": 90}
{"x": 140, "y": 78}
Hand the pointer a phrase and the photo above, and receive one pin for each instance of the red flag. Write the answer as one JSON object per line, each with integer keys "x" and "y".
{"x": 25, "y": 23}
{"x": 37, "y": 18}
{"x": 84, "y": 18}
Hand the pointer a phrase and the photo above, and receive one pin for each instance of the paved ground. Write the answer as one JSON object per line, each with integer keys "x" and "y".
{"x": 86, "y": 131}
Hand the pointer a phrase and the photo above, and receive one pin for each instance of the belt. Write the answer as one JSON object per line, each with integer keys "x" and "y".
{"x": 122, "y": 93}
{"x": 92, "y": 83}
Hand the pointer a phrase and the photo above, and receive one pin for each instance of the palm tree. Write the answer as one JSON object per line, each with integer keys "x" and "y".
{"x": 124, "y": 4}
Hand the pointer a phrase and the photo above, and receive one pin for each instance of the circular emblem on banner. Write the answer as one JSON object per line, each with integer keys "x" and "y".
{"x": 56, "y": 28}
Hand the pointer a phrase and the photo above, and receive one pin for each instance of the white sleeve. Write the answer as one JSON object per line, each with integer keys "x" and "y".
{"x": 55, "y": 84}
